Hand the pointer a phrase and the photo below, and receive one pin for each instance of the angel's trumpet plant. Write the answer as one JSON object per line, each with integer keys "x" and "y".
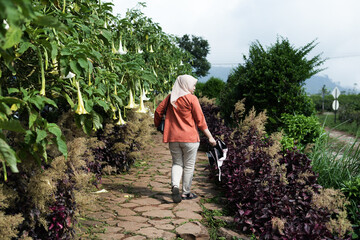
{"x": 80, "y": 109}
{"x": 113, "y": 108}
{"x": 142, "y": 108}
{"x": 151, "y": 49}
{"x": 113, "y": 49}
{"x": 144, "y": 97}
{"x": 154, "y": 72}
{"x": 70, "y": 76}
{"x": 131, "y": 101}
{"x": 121, "y": 50}
{"x": 121, "y": 120}
{"x": 6, "y": 24}
{"x": 42, "y": 91}
{"x": 139, "y": 50}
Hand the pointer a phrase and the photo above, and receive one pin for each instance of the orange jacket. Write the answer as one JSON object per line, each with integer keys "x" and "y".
{"x": 181, "y": 123}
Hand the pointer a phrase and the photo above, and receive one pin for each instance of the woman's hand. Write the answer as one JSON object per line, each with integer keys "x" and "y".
{"x": 210, "y": 137}
{"x": 212, "y": 141}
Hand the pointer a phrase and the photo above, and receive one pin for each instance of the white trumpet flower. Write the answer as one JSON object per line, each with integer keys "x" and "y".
{"x": 121, "y": 50}
{"x": 144, "y": 97}
{"x": 69, "y": 76}
{"x": 131, "y": 101}
{"x": 121, "y": 120}
{"x": 151, "y": 49}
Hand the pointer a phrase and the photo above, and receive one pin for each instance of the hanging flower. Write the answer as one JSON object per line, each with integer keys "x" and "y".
{"x": 121, "y": 120}
{"x": 131, "y": 101}
{"x": 151, "y": 49}
{"x": 113, "y": 49}
{"x": 154, "y": 72}
{"x": 144, "y": 97}
{"x": 69, "y": 76}
{"x": 80, "y": 109}
{"x": 6, "y": 24}
{"x": 139, "y": 50}
{"x": 121, "y": 50}
{"x": 142, "y": 108}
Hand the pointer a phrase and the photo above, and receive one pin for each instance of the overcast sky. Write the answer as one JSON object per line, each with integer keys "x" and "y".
{"x": 230, "y": 26}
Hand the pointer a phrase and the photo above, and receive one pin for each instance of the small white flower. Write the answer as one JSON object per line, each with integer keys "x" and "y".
{"x": 6, "y": 24}
{"x": 69, "y": 76}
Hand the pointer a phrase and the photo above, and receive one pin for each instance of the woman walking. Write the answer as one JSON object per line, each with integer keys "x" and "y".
{"x": 184, "y": 117}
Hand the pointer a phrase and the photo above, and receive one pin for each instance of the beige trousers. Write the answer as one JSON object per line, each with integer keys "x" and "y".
{"x": 183, "y": 164}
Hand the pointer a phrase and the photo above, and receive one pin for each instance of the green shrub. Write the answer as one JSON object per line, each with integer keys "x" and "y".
{"x": 272, "y": 79}
{"x": 303, "y": 129}
{"x": 213, "y": 87}
{"x": 351, "y": 190}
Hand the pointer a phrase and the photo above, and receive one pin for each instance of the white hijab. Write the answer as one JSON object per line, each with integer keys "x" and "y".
{"x": 182, "y": 86}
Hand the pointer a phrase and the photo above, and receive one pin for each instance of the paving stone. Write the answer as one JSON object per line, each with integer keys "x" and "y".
{"x": 145, "y": 201}
{"x": 145, "y": 208}
{"x": 188, "y": 215}
{"x": 229, "y": 234}
{"x": 158, "y": 213}
{"x": 130, "y": 226}
{"x": 137, "y": 237}
{"x": 99, "y": 215}
{"x": 113, "y": 223}
{"x": 192, "y": 230}
{"x": 154, "y": 233}
{"x": 105, "y": 236}
{"x": 179, "y": 221}
{"x": 164, "y": 224}
{"x": 138, "y": 219}
{"x": 188, "y": 205}
{"x": 113, "y": 230}
{"x": 124, "y": 212}
{"x": 129, "y": 205}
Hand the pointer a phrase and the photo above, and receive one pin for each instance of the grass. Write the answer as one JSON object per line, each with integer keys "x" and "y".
{"x": 336, "y": 162}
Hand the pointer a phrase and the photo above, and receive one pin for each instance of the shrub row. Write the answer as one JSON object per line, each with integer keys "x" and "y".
{"x": 44, "y": 203}
{"x": 272, "y": 193}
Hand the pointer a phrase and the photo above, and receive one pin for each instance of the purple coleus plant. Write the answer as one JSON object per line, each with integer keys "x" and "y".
{"x": 269, "y": 193}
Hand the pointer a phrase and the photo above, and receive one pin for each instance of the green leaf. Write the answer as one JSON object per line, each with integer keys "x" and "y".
{"x": 32, "y": 118}
{"x": 12, "y": 37}
{"x": 75, "y": 68}
{"x": 49, "y": 101}
{"x": 40, "y": 135}
{"x": 103, "y": 104}
{"x": 54, "y": 50}
{"x": 11, "y": 100}
{"x": 69, "y": 100}
{"x": 24, "y": 46}
{"x": 118, "y": 100}
{"x": 13, "y": 90}
{"x": 12, "y": 125}
{"x": 49, "y": 21}
{"x": 83, "y": 63}
{"x": 8, "y": 155}
{"x": 61, "y": 144}
{"x": 96, "y": 120}
{"x": 5, "y": 109}
{"x": 54, "y": 129}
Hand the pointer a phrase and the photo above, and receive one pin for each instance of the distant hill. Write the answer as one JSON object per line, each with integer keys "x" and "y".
{"x": 312, "y": 85}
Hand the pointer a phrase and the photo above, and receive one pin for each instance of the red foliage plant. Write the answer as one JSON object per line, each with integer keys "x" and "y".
{"x": 270, "y": 191}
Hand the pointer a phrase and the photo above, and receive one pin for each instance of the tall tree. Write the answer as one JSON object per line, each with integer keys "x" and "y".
{"x": 198, "y": 48}
{"x": 272, "y": 79}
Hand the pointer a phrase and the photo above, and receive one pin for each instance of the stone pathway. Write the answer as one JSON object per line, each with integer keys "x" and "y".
{"x": 138, "y": 205}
